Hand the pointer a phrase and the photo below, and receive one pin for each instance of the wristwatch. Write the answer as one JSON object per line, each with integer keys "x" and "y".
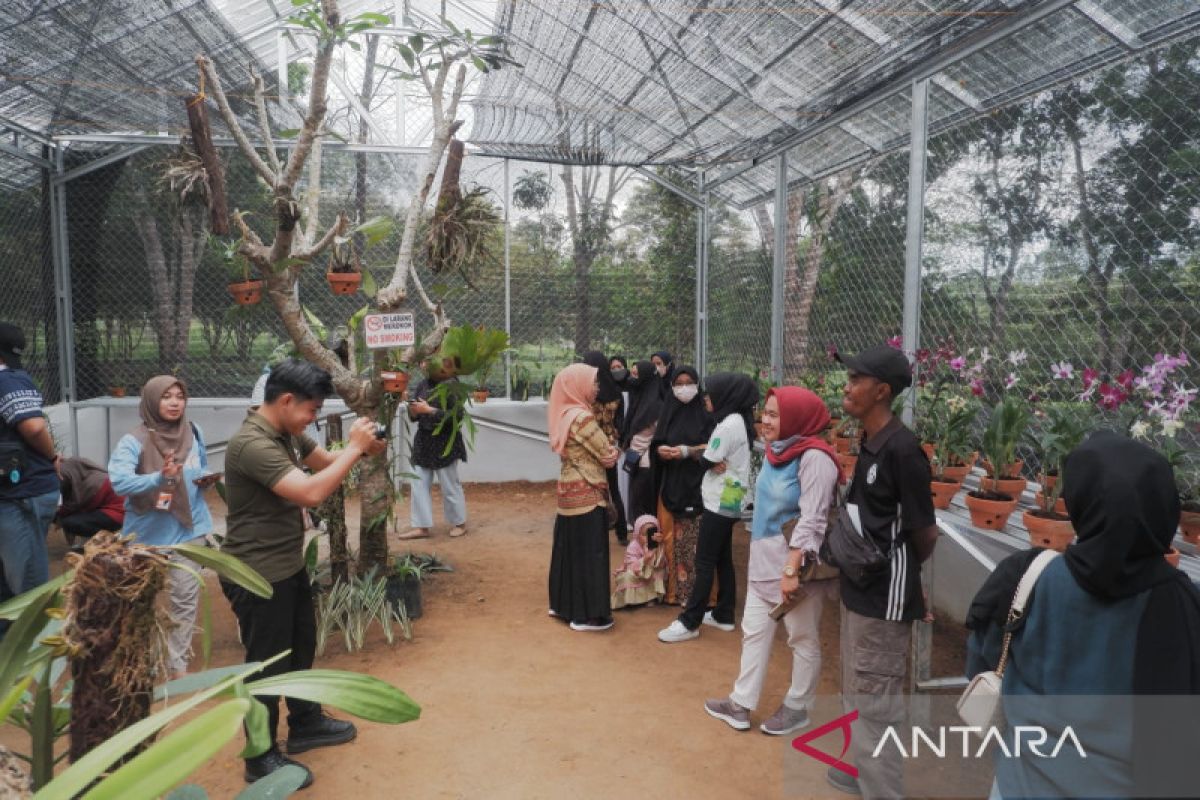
{"x": 789, "y": 571}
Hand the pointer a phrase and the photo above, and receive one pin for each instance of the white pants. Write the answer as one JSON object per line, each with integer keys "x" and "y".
{"x": 758, "y": 635}
{"x": 183, "y": 591}
{"x": 454, "y": 502}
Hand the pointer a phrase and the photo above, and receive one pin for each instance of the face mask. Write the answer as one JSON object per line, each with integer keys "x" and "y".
{"x": 687, "y": 393}
{"x": 661, "y": 369}
{"x": 620, "y": 374}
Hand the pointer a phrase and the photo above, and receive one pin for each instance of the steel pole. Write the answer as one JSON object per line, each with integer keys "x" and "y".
{"x": 778, "y": 268}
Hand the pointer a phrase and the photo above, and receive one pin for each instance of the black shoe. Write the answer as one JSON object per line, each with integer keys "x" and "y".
{"x": 842, "y": 781}
{"x": 268, "y": 762}
{"x": 322, "y": 732}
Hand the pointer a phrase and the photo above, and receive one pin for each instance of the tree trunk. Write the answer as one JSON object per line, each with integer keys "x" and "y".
{"x": 197, "y": 114}
{"x": 160, "y": 285}
{"x": 333, "y": 511}
{"x": 1098, "y": 278}
{"x": 802, "y": 293}
{"x": 376, "y": 498}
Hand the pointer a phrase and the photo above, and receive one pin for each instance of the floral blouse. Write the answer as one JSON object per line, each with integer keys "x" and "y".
{"x": 582, "y": 482}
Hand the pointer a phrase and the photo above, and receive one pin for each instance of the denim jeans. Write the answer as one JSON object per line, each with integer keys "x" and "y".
{"x": 23, "y": 527}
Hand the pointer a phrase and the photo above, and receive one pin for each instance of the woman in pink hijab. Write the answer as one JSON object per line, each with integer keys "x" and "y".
{"x": 579, "y": 562}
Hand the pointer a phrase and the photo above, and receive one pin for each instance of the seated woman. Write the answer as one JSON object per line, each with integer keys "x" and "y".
{"x": 89, "y": 504}
{"x": 1109, "y": 618}
{"x": 640, "y": 578}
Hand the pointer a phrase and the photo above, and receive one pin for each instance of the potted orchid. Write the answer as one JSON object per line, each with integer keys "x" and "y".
{"x": 950, "y": 426}
{"x": 1060, "y": 428}
{"x": 996, "y": 499}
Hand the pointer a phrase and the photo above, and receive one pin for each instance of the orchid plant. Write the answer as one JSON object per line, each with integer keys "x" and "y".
{"x": 1060, "y": 428}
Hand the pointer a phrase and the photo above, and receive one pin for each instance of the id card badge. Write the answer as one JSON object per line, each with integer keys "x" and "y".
{"x": 164, "y": 501}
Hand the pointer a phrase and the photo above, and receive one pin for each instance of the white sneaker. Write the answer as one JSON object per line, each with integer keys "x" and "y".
{"x": 676, "y": 632}
{"x": 593, "y": 625}
{"x": 724, "y": 626}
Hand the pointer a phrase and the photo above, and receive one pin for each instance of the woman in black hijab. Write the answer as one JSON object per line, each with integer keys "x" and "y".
{"x": 664, "y": 367}
{"x": 608, "y": 409}
{"x": 676, "y": 450}
{"x": 641, "y": 418}
{"x": 1111, "y": 617}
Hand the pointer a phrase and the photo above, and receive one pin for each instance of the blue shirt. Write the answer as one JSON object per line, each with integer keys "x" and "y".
{"x": 19, "y": 401}
{"x": 776, "y": 499}
{"x": 159, "y": 527}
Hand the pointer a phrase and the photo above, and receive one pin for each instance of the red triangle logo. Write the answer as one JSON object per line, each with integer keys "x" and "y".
{"x": 842, "y": 723}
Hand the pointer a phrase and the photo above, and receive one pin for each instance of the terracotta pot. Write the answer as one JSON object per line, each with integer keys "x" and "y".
{"x": 847, "y": 461}
{"x": 1053, "y": 534}
{"x": 1048, "y": 481}
{"x": 1009, "y": 471}
{"x": 246, "y": 293}
{"x": 1060, "y": 505}
{"x": 116, "y": 391}
{"x": 1172, "y": 557}
{"x": 956, "y": 474}
{"x": 480, "y": 395}
{"x": 989, "y": 514}
{"x": 1189, "y": 524}
{"x": 929, "y": 448}
{"x": 842, "y": 443}
{"x": 943, "y": 493}
{"x": 394, "y": 382}
{"x": 344, "y": 282}
{"x": 1009, "y": 486}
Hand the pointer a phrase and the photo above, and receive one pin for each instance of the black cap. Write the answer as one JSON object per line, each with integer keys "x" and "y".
{"x": 884, "y": 363}
{"x": 12, "y": 343}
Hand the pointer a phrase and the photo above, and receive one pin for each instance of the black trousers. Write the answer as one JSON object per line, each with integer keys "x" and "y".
{"x": 286, "y": 620}
{"x": 87, "y": 524}
{"x": 641, "y": 494}
{"x": 714, "y": 554}
{"x": 614, "y": 493}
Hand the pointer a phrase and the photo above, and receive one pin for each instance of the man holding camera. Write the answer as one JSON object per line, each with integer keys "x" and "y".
{"x": 267, "y": 492}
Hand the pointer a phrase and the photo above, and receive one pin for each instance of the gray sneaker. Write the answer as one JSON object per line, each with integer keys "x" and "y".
{"x": 784, "y": 721}
{"x": 729, "y": 712}
{"x": 843, "y": 782}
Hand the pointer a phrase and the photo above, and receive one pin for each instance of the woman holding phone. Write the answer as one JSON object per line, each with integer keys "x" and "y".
{"x": 162, "y": 469}
{"x": 795, "y": 487}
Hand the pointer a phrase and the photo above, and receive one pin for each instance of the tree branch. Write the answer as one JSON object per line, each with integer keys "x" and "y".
{"x": 231, "y": 122}
{"x": 337, "y": 229}
{"x": 264, "y": 122}
{"x": 251, "y": 247}
{"x": 316, "y": 102}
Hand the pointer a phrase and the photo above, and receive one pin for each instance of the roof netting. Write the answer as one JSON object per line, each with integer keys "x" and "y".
{"x": 702, "y": 83}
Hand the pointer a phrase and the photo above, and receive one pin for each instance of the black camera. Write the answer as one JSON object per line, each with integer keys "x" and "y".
{"x": 381, "y": 431}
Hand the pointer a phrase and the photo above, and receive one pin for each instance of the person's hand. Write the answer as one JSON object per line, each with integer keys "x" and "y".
{"x": 611, "y": 459}
{"x": 789, "y": 586}
{"x": 58, "y": 459}
{"x": 362, "y": 435}
{"x": 170, "y": 470}
{"x": 719, "y": 468}
{"x": 377, "y": 446}
{"x": 657, "y": 536}
{"x": 420, "y": 408}
{"x": 668, "y": 453}
{"x": 928, "y": 608}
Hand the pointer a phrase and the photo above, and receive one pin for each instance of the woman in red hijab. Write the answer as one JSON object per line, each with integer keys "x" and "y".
{"x": 798, "y": 479}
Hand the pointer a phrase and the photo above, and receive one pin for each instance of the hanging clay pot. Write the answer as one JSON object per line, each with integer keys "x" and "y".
{"x": 1189, "y": 524}
{"x": 990, "y": 513}
{"x": 246, "y": 293}
{"x": 943, "y": 492}
{"x": 344, "y": 282}
{"x": 394, "y": 382}
{"x": 1048, "y": 531}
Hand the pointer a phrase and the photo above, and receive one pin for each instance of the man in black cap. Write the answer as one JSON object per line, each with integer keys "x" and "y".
{"x": 889, "y": 502}
{"x": 28, "y": 478}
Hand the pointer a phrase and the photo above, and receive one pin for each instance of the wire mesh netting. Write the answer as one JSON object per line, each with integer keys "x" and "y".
{"x": 27, "y": 297}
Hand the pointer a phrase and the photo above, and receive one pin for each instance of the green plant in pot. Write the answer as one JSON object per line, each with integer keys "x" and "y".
{"x": 404, "y": 581}
{"x": 949, "y": 425}
{"x": 522, "y": 381}
{"x": 1061, "y": 428}
{"x": 473, "y": 352}
{"x": 1186, "y": 464}
{"x": 991, "y": 506}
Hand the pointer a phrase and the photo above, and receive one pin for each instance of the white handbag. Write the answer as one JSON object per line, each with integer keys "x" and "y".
{"x": 979, "y": 706}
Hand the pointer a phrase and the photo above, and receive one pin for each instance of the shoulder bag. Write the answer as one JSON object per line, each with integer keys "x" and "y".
{"x": 979, "y": 706}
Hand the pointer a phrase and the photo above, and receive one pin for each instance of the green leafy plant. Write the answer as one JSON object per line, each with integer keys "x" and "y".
{"x": 352, "y": 606}
{"x": 33, "y": 659}
{"x": 472, "y": 351}
{"x": 309, "y": 15}
{"x": 949, "y": 425}
{"x": 1060, "y": 428}
{"x": 1005, "y": 427}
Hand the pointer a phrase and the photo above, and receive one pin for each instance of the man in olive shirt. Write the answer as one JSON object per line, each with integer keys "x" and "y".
{"x": 266, "y": 492}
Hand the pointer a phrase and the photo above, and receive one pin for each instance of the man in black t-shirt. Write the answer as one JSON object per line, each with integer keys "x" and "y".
{"x": 889, "y": 501}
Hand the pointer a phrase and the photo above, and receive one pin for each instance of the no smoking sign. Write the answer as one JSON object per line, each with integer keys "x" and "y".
{"x": 389, "y": 330}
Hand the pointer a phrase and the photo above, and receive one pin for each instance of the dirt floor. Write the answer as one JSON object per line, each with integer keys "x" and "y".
{"x": 516, "y": 705}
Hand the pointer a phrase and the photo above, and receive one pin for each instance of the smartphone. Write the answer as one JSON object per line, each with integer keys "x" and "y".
{"x": 780, "y": 611}
{"x": 208, "y": 478}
